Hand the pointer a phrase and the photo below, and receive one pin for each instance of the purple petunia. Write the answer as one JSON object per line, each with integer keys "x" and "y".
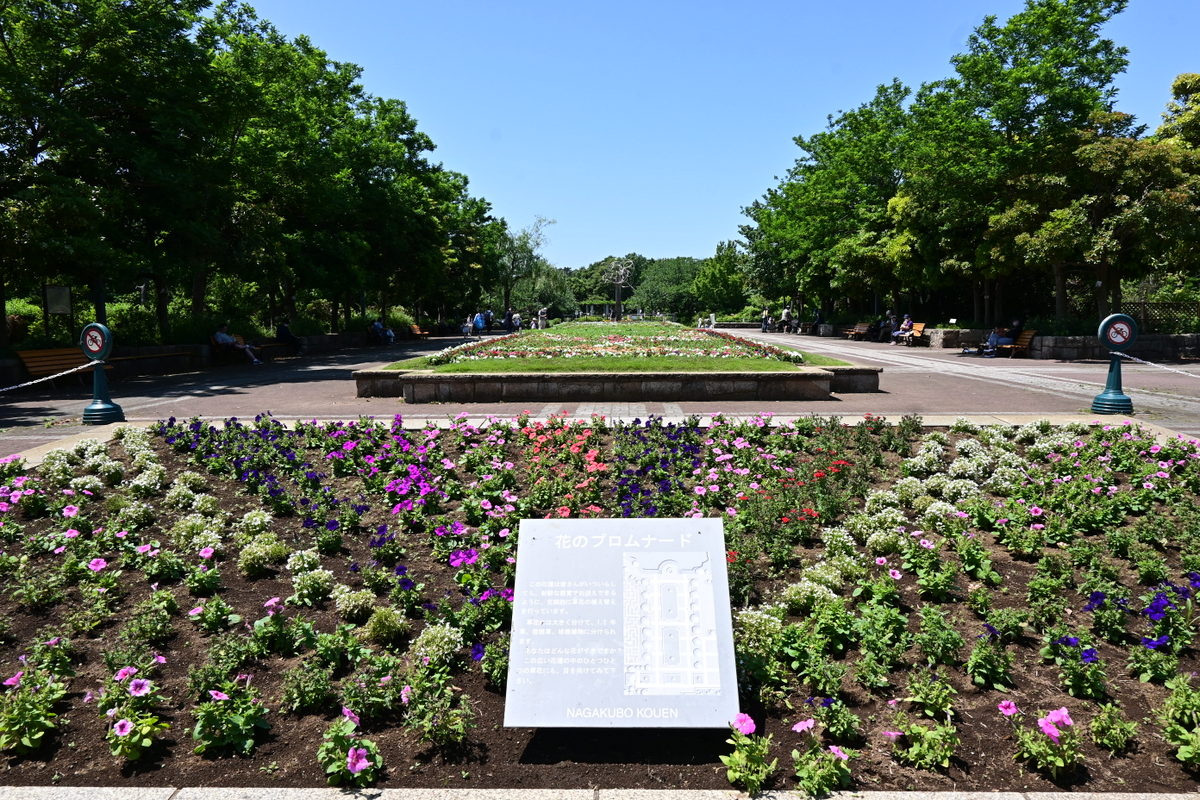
{"x": 1089, "y": 656}
{"x": 122, "y": 727}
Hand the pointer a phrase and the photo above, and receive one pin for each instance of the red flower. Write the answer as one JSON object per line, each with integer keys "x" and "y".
{"x": 731, "y": 556}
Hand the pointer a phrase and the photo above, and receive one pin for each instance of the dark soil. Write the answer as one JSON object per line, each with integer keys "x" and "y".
{"x": 78, "y": 755}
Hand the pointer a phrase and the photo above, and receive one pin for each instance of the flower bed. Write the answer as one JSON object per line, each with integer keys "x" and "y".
{"x": 602, "y": 341}
{"x": 244, "y": 604}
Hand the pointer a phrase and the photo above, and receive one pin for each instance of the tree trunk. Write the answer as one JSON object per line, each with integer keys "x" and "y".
{"x": 1060, "y": 293}
{"x": 199, "y": 290}
{"x": 97, "y": 289}
{"x": 162, "y": 299}
{"x": 4, "y": 340}
{"x": 1102, "y": 289}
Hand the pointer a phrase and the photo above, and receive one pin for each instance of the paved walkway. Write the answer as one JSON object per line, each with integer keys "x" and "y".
{"x": 932, "y": 383}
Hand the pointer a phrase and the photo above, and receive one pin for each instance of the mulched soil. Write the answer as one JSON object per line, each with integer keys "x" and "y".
{"x": 495, "y": 757}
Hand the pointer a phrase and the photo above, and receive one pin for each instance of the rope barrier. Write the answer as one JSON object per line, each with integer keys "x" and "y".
{"x": 51, "y": 377}
{"x": 1152, "y": 364}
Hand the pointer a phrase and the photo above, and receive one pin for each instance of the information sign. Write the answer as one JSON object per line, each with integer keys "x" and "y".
{"x": 621, "y": 624}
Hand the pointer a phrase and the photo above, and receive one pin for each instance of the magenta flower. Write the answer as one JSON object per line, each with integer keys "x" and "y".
{"x": 892, "y": 736}
{"x": 207, "y": 552}
{"x": 124, "y": 673}
{"x": 895, "y": 574}
{"x": 744, "y": 724}
{"x": 1035, "y": 511}
{"x": 348, "y": 446}
{"x": 215, "y": 695}
{"x": 97, "y": 564}
{"x": 838, "y": 752}
{"x": 273, "y": 606}
{"x": 1048, "y": 728}
{"x": 804, "y": 725}
{"x": 15, "y": 680}
{"x": 406, "y": 693}
{"x": 196, "y": 611}
{"x": 70, "y": 533}
{"x": 1060, "y": 716}
{"x": 1008, "y": 708}
{"x": 145, "y": 548}
{"x": 928, "y": 545}
{"x": 881, "y": 561}
{"x": 70, "y": 511}
{"x": 122, "y": 727}
{"x": 356, "y": 760}
{"x": 139, "y": 687}
{"x": 350, "y": 715}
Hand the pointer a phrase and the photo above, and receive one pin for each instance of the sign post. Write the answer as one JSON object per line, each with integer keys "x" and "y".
{"x": 1117, "y": 332}
{"x": 621, "y": 624}
{"x": 96, "y": 341}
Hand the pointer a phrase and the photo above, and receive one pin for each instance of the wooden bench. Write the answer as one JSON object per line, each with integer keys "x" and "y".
{"x": 859, "y": 331}
{"x": 417, "y": 332}
{"x": 1020, "y": 345}
{"x": 43, "y": 363}
{"x": 915, "y": 336}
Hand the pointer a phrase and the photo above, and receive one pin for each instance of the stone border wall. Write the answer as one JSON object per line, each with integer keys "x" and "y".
{"x": 807, "y": 383}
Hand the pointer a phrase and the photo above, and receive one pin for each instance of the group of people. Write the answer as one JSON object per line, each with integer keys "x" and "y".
{"x": 785, "y": 324}
{"x": 482, "y": 321}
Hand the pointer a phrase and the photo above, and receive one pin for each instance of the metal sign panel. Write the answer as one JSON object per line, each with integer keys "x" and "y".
{"x": 621, "y": 623}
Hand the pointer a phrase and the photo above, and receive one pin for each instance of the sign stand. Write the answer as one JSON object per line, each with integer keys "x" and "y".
{"x": 96, "y": 341}
{"x": 1117, "y": 332}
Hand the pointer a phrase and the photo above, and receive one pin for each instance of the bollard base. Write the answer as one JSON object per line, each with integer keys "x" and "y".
{"x": 1112, "y": 403}
{"x": 100, "y": 413}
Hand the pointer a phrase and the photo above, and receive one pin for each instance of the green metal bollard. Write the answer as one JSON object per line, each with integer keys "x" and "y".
{"x": 96, "y": 341}
{"x": 1117, "y": 332}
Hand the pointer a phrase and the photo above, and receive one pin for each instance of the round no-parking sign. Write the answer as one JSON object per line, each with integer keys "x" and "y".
{"x": 96, "y": 341}
{"x": 1117, "y": 332}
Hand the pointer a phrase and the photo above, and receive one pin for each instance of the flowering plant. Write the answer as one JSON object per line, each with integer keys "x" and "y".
{"x": 820, "y": 770}
{"x": 131, "y": 736}
{"x": 347, "y": 758}
{"x": 1054, "y": 746}
{"x": 747, "y": 764}
{"x": 230, "y": 719}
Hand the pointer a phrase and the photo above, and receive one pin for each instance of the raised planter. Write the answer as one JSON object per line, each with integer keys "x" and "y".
{"x": 1151, "y": 347}
{"x": 808, "y": 383}
{"x": 954, "y": 338}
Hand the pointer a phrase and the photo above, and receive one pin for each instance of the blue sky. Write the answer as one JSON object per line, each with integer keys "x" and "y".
{"x": 647, "y": 126}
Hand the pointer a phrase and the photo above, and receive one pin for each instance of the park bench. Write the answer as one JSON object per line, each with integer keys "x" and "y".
{"x": 43, "y": 363}
{"x": 417, "y": 332}
{"x": 1020, "y": 345}
{"x": 859, "y": 331}
{"x": 915, "y": 336}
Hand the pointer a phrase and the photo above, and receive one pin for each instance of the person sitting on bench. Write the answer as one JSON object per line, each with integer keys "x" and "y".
{"x": 226, "y": 341}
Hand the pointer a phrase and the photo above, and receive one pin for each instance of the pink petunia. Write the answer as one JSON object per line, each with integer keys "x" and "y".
{"x": 838, "y": 752}
{"x": 881, "y": 561}
{"x": 895, "y": 574}
{"x": 70, "y": 533}
{"x": 804, "y": 725}
{"x": 15, "y": 680}
{"x": 207, "y": 552}
{"x": 1008, "y": 708}
{"x": 140, "y": 687}
{"x": 196, "y": 611}
{"x": 1048, "y": 728}
{"x": 350, "y": 715}
{"x": 406, "y": 693}
{"x": 70, "y": 511}
{"x": 122, "y": 727}
{"x": 744, "y": 724}
{"x": 892, "y": 736}
{"x": 124, "y": 673}
{"x": 97, "y": 564}
{"x": 216, "y": 695}
{"x": 357, "y": 760}
{"x": 1060, "y": 716}
{"x": 1035, "y": 511}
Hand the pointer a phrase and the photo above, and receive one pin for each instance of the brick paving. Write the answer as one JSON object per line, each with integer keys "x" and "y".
{"x": 941, "y": 383}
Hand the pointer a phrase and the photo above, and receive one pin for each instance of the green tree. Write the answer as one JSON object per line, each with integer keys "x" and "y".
{"x": 720, "y": 284}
